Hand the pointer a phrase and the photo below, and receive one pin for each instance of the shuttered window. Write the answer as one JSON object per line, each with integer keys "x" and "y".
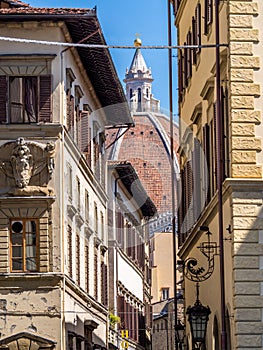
{"x": 104, "y": 284}
{"x": 197, "y": 196}
{"x": 185, "y": 66}
{"x": 87, "y": 269}
{"x": 189, "y": 56}
{"x": 45, "y": 99}
{"x": 180, "y": 75}
{"x": 69, "y": 234}
{"x": 198, "y": 27}
{"x": 120, "y": 228}
{"x": 85, "y": 136}
{"x": 95, "y": 273}
{"x": 120, "y": 310}
{"x": 77, "y": 259}
{"x": 194, "y": 38}
{"x": 25, "y": 99}
{"x": 70, "y": 114}
{"x": 189, "y": 195}
{"x": 208, "y": 17}
{"x": 206, "y": 147}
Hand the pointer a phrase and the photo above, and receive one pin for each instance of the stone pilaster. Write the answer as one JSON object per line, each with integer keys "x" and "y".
{"x": 247, "y": 221}
{"x": 244, "y": 89}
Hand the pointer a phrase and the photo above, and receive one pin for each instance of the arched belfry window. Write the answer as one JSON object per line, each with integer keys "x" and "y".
{"x": 139, "y": 99}
{"x": 147, "y": 93}
{"x": 131, "y": 94}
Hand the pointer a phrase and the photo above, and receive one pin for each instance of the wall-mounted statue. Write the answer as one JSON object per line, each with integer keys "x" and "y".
{"x": 28, "y": 167}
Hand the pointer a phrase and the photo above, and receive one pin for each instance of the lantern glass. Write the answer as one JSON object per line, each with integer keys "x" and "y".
{"x": 198, "y": 316}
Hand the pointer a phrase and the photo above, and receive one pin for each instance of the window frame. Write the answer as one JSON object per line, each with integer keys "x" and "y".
{"x": 24, "y": 245}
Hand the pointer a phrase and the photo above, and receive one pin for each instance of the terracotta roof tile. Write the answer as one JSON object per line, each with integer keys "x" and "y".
{"x": 45, "y": 11}
{"x": 16, "y": 3}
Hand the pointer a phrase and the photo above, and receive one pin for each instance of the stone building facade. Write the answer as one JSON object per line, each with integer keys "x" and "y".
{"x": 241, "y": 34}
{"x": 53, "y": 196}
{"x": 129, "y": 258}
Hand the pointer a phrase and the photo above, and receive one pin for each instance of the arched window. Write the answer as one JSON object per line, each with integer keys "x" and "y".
{"x": 130, "y": 94}
{"x": 139, "y": 99}
{"x": 147, "y": 93}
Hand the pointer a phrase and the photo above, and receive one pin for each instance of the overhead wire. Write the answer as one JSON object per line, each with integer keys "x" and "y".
{"x": 100, "y": 46}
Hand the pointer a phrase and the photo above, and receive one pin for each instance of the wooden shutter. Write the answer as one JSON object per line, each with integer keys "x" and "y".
{"x": 189, "y": 56}
{"x": 104, "y": 284}
{"x": 185, "y": 66}
{"x": 69, "y": 234}
{"x": 85, "y": 138}
{"x": 206, "y": 18}
{"x": 77, "y": 259}
{"x": 214, "y": 147}
{"x": 180, "y": 76}
{"x": 198, "y": 26}
{"x": 3, "y": 98}
{"x": 119, "y": 227}
{"x": 189, "y": 194}
{"x": 120, "y": 309}
{"x": 45, "y": 94}
{"x": 197, "y": 179}
{"x": 180, "y": 209}
{"x": 194, "y": 38}
{"x": 87, "y": 275}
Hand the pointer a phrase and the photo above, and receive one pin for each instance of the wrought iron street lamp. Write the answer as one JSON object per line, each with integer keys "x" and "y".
{"x": 198, "y": 316}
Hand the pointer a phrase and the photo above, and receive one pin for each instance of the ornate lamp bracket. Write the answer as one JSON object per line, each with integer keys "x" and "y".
{"x": 190, "y": 266}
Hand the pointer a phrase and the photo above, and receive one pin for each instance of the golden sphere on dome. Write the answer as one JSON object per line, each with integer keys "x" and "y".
{"x": 137, "y": 42}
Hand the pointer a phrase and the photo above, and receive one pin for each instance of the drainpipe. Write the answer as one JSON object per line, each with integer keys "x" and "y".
{"x": 219, "y": 158}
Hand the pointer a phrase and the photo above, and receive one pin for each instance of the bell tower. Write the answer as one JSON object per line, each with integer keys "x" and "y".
{"x": 138, "y": 80}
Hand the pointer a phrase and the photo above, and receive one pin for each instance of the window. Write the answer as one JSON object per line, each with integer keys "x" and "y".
{"x": 139, "y": 100}
{"x": 87, "y": 206}
{"x": 78, "y": 93}
{"x": 102, "y": 225}
{"x": 78, "y": 193}
{"x": 96, "y": 273}
{"x": 87, "y": 270}
{"x": 69, "y": 251}
{"x": 96, "y": 219}
{"x": 85, "y": 141}
{"x": 198, "y": 27}
{"x": 165, "y": 293}
{"x": 70, "y": 77}
{"x": 23, "y": 245}
{"x": 25, "y": 99}
{"x": 69, "y": 181}
{"x": 208, "y": 18}
{"x": 104, "y": 283}
{"x": 77, "y": 260}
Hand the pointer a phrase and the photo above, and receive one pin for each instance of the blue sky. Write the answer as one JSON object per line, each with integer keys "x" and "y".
{"x": 120, "y": 21}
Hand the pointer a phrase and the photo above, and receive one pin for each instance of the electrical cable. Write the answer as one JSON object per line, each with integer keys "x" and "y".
{"x": 98, "y": 46}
